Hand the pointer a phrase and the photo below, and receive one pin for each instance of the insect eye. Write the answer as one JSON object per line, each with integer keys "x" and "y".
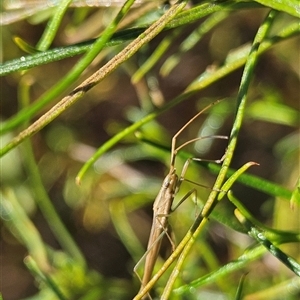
{"x": 166, "y": 183}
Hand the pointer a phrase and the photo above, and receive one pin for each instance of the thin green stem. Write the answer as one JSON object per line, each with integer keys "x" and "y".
{"x": 241, "y": 102}
{"x": 26, "y": 62}
{"x": 71, "y": 77}
{"x": 41, "y": 196}
{"x": 195, "y": 86}
{"x": 183, "y": 248}
{"x": 247, "y": 215}
{"x": 155, "y": 56}
{"x": 15, "y": 217}
{"x": 52, "y": 26}
{"x": 52, "y": 55}
{"x": 198, "y": 84}
{"x": 195, "y": 233}
{"x": 165, "y": 266}
{"x": 78, "y": 92}
{"x": 261, "y": 238}
{"x": 250, "y": 180}
{"x": 192, "y": 39}
{"x": 238, "y": 295}
{"x": 233, "y": 266}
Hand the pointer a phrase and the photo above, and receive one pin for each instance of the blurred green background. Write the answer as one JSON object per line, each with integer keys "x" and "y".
{"x": 125, "y": 181}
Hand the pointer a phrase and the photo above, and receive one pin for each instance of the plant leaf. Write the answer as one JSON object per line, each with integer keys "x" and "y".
{"x": 291, "y": 7}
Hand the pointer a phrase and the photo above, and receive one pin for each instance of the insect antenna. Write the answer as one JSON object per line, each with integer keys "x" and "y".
{"x": 174, "y": 150}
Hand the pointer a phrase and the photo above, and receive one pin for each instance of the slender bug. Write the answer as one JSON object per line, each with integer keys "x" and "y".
{"x": 162, "y": 206}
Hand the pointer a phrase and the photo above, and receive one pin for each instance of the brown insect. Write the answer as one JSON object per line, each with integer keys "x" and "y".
{"x": 162, "y": 206}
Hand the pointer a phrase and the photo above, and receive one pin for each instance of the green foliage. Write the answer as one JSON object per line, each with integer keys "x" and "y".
{"x": 77, "y": 181}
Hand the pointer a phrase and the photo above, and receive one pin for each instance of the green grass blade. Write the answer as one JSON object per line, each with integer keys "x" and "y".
{"x": 78, "y": 92}
{"x": 52, "y": 26}
{"x": 155, "y": 56}
{"x": 277, "y": 236}
{"x": 71, "y": 77}
{"x": 42, "y": 198}
{"x": 56, "y": 54}
{"x": 239, "y": 291}
{"x": 241, "y": 262}
{"x": 24, "y": 46}
{"x": 241, "y": 102}
{"x": 197, "y": 85}
{"x": 249, "y": 180}
{"x": 260, "y": 237}
{"x": 198, "y": 12}
{"x": 233, "y": 178}
{"x": 192, "y": 39}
